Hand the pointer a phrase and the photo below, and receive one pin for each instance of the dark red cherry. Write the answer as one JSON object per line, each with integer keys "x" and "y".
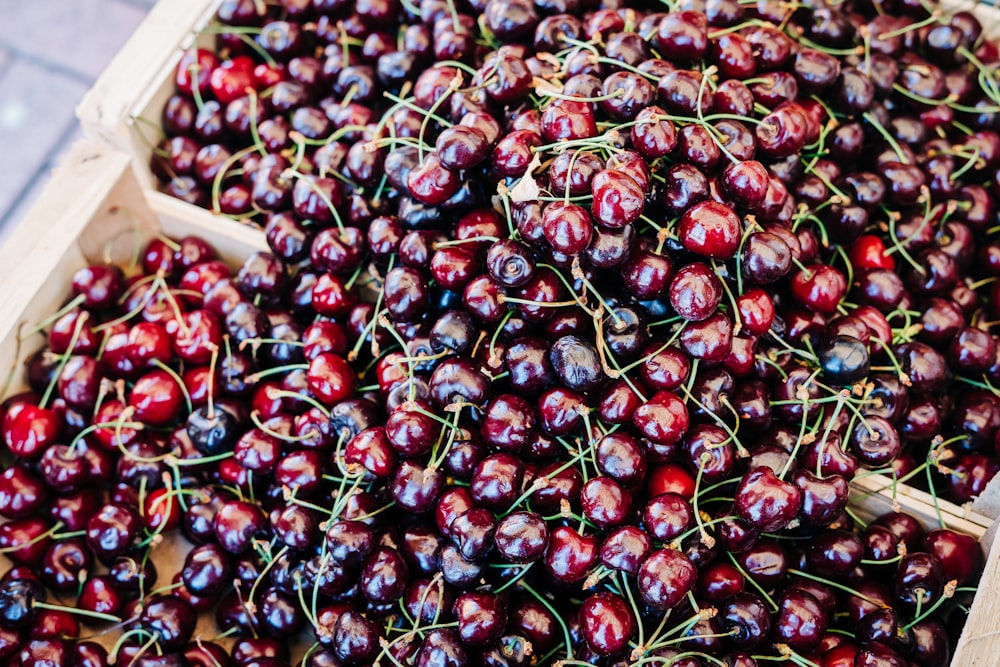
{"x": 606, "y": 623}
{"x": 767, "y": 502}
{"x": 801, "y": 621}
{"x": 172, "y": 618}
{"x": 113, "y": 530}
{"x": 683, "y": 35}
{"x": 618, "y": 199}
{"x": 746, "y": 615}
{"x": 481, "y": 616}
{"x": 663, "y": 419}
{"x": 570, "y": 555}
{"x": 605, "y": 502}
{"x": 695, "y": 292}
{"x": 665, "y": 577}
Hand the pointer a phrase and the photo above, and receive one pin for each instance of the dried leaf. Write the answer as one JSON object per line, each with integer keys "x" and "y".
{"x": 527, "y": 189}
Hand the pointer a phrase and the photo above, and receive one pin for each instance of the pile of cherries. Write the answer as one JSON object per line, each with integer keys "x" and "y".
{"x": 413, "y": 507}
{"x": 576, "y": 324}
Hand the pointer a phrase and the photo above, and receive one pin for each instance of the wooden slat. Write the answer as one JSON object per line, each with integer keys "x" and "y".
{"x": 979, "y": 645}
{"x": 987, "y": 11}
{"x": 141, "y": 66}
{"x": 49, "y": 232}
{"x": 961, "y": 515}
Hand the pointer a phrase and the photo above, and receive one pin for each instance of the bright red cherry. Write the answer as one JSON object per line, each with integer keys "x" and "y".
{"x": 331, "y": 378}
{"x": 710, "y": 229}
{"x": 819, "y": 287}
{"x": 869, "y": 252}
{"x": 156, "y": 398}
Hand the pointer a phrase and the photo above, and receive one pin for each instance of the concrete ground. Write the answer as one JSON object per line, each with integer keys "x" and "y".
{"x": 51, "y": 51}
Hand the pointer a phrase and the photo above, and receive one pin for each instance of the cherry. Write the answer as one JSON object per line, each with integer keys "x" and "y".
{"x": 570, "y": 555}
{"x": 766, "y": 501}
{"x": 684, "y": 35}
{"x": 29, "y": 429}
{"x": 355, "y": 638}
{"x": 21, "y": 492}
{"x": 819, "y": 287}
{"x": 667, "y": 516}
{"x": 605, "y": 502}
{"x": 710, "y": 340}
{"x": 236, "y": 524}
{"x": 65, "y": 564}
{"x": 415, "y": 487}
{"x": 844, "y": 360}
{"x": 521, "y": 537}
{"x": 618, "y": 199}
{"x": 207, "y": 570}
{"x": 431, "y": 182}
{"x": 171, "y": 617}
{"x": 695, "y": 292}
{"x": 663, "y": 419}
{"x": 330, "y": 378}
{"x": 747, "y": 617}
{"x": 384, "y": 575}
{"x": 473, "y": 532}
{"x": 710, "y": 229}
{"x": 957, "y": 553}
{"x": 665, "y": 577}
{"x": 606, "y": 623}
{"x": 112, "y": 530}
{"x": 919, "y": 577}
{"x": 17, "y": 598}
{"x": 481, "y": 617}
{"x": 801, "y": 620}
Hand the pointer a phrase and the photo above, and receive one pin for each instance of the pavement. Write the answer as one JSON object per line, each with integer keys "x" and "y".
{"x": 51, "y": 52}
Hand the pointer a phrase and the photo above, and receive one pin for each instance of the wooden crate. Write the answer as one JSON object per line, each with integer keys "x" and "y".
{"x": 135, "y": 87}
{"x": 139, "y": 80}
{"x": 94, "y": 209}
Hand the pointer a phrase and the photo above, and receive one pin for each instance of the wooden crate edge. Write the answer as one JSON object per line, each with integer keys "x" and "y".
{"x": 74, "y": 193}
{"x": 979, "y": 645}
{"x": 139, "y": 67}
{"x": 882, "y": 485}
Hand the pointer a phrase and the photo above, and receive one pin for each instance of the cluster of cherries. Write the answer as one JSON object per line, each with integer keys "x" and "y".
{"x": 577, "y": 322}
{"x": 412, "y": 509}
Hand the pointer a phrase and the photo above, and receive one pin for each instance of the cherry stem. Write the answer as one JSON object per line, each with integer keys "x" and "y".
{"x": 284, "y": 437}
{"x": 275, "y": 393}
{"x": 259, "y": 375}
{"x": 704, "y": 537}
{"x": 930, "y": 610}
{"x": 933, "y": 491}
{"x": 77, "y": 301}
{"x": 119, "y": 424}
{"x": 78, "y": 612}
{"x": 63, "y": 360}
{"x": 559, "y": 619}
{"x": 701, "y": 525}
{"x": 654, "y": 659}
{"x": 753, "y": 582}
{"x": 437, "y": 458}
{"x": 516, "y": 578}
{"x": 319, "y": 193}
{"x": 453, "y": 85}
{"x": 302, "y": 600}
{"x": 834, "y": 584}
{"x": 177, "y": 378}
{"x": 124, "y": 638}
